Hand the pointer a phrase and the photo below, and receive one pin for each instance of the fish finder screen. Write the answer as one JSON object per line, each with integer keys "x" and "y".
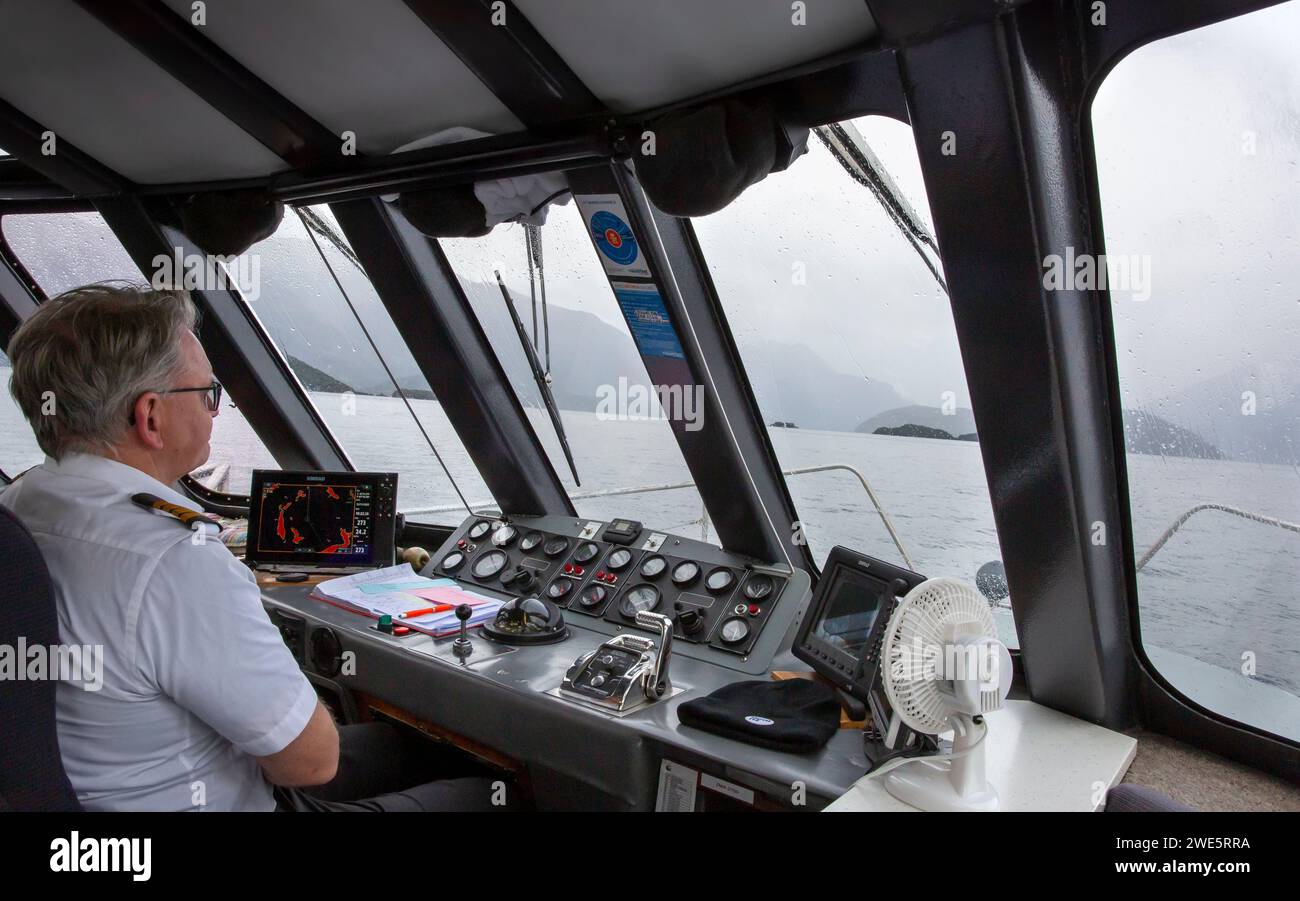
{"x": 315, "y": 519}
{"x": 321, "y": 519}
{"x": 852, "y": 605}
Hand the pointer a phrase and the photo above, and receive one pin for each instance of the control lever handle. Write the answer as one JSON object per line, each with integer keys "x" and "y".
{"x": 656, "y": 682}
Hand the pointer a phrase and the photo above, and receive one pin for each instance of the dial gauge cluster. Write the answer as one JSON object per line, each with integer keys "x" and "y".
{"x": 714, "y": 597}
{"x": 592, "y": 575}
{"x": 505, "y": 555}
{"x": 697, "y": 594}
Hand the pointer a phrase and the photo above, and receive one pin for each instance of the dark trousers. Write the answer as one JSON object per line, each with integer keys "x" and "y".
{"x": 370, "y": 778}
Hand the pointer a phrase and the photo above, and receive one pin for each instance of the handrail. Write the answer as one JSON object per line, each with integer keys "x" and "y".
{"x": 646, "y": 489}
{"x": 1235, "y": 511}
{"x": 875, "y": 501}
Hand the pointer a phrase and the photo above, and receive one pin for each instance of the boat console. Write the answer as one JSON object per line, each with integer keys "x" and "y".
{"x": 650, "y": 620}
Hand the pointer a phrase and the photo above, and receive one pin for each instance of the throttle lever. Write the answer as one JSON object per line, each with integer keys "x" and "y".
{"x": 656, "y": 683}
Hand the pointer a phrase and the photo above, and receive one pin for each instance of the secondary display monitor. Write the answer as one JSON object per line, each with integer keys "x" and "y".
{"x": 840, "y": 635}
{"x": 321, "y": 521}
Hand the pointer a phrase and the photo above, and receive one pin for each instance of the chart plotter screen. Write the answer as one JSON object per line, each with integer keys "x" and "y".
{"x": 321, "y": 519}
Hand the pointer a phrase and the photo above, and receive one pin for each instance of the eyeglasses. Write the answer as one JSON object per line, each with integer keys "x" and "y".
{"x": 211, "y": 397}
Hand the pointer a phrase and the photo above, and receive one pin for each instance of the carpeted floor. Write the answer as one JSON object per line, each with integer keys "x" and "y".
{"x": 1206, "y": 781}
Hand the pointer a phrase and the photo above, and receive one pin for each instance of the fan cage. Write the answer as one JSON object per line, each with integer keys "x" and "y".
{"x": 923, "y": 628}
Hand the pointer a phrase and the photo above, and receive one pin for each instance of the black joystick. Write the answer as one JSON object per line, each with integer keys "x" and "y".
{"x": 690, "y": 618}
{"x": 462, "y": 647}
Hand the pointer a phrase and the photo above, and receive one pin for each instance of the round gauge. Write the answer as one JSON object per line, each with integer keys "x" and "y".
{"x": 559, "y": 588}
{"x": 554, "y": 547}
{"x": 593, "y": 596}
{"x": 479, "y": 529}
{"x": 489, "y": 564}
{"x": 504, "y": 536}
{"x": 720, "y": 580}
{"x": 686, "y": 573}
{"x": 530, "y": 542}
{"x": 586, "y": 553}
{"x": 734, "y": 630}
{"x": 758, "y": 588}
{"x": 653, "y": 566}
{"x": 452, "y": 562}
{"x": 619, "y": 559}
{"x": 642, "y": 597}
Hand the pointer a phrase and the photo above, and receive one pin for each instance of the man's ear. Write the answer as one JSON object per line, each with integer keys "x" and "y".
{"x": 147, "y": 426}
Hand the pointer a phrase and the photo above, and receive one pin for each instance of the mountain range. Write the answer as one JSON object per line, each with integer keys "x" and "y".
{"x": 793, "y": 384}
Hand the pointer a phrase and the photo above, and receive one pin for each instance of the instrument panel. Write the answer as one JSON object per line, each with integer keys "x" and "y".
{"x": 603, "y": 574}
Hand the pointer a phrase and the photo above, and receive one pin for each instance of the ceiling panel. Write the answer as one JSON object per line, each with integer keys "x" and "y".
{"x": 370, "y": 67}
{"x": 64, "y": 69}
{"x": 635, "y": 55}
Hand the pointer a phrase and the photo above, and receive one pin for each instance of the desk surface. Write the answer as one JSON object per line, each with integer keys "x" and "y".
{"x": 1037, "y": 759}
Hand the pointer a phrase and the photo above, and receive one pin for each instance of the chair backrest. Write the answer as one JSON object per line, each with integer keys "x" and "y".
{"x": 31, "y": 770}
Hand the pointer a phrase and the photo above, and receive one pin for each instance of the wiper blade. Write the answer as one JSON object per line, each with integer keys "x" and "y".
{"x": 539, "y": 376}
{"x": 847, "y": 145}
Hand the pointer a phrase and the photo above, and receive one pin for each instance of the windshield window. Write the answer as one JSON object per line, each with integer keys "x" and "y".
{"x": 622, "y": 448}
{"x": 318, "y": 328}
{"x": 849, "y": 343}
{"x": 63, "y": 251}
{"x": 1201, "y": 251}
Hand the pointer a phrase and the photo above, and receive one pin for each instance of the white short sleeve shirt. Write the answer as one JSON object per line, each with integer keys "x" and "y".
{"x": 195, "y": 680}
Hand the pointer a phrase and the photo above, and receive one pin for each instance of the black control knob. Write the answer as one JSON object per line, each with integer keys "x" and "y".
{"x": 520, "y": 579}
{"x": 690, "y": 618}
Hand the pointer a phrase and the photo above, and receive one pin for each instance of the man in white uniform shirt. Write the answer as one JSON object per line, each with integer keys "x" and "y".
{"x": 201, "y": 705}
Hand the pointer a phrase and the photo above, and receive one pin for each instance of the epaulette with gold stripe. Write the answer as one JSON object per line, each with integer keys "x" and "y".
{"x": 191, "y": 519}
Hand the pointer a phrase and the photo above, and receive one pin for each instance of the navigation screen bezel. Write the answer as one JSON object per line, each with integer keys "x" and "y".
{"x": 845, "y": 669}
{"x": 382, "y": 524}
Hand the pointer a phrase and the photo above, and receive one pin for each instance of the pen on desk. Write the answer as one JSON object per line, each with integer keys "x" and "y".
{"x": 441, "y": 608}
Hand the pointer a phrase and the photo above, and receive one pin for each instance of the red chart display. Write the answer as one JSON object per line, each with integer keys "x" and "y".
{"x": 315, "y": 519}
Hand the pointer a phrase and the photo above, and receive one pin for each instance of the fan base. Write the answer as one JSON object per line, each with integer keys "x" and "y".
{"x": 928, "y": 787}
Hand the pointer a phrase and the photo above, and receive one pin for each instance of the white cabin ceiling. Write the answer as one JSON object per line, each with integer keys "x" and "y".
{"x": 375, "y": 69}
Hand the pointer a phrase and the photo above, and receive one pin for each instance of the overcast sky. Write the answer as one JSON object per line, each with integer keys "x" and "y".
{"x": 1173, "y": 127}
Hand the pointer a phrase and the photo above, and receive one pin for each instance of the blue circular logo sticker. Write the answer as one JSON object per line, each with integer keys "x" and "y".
{"x": 759, "y": 720}
{"x": 614, "y": 238}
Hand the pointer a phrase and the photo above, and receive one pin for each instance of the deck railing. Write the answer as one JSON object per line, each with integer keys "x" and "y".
{"x": 703, "y": 520}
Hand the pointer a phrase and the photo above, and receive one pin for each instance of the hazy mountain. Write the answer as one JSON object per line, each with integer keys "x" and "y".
{"x": 585, "y": 351}
{"x": 314, "y": 380}
{"x": 793, "y": 384}
{"x": 1146, "y": 433}
{"x": 960, "y": 423}
{"x": 1251, "y": 414}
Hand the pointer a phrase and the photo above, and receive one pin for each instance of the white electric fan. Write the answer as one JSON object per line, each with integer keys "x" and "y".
{"x": 942, "y": 666}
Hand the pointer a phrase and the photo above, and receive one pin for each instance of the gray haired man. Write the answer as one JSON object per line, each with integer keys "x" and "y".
{"x": 200, "y": 706}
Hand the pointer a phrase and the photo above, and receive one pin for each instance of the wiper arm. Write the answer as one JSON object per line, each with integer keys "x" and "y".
{"x": 540, "y": 377}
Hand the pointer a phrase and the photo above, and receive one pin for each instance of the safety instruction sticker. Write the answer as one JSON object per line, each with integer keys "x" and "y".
{"x": 677, "y": 786}
{"x": 647, "y": 319}
{"x": 607, "y": 224}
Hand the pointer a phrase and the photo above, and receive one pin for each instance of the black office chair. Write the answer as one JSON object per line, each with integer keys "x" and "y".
{"x": 31, "y": 770}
